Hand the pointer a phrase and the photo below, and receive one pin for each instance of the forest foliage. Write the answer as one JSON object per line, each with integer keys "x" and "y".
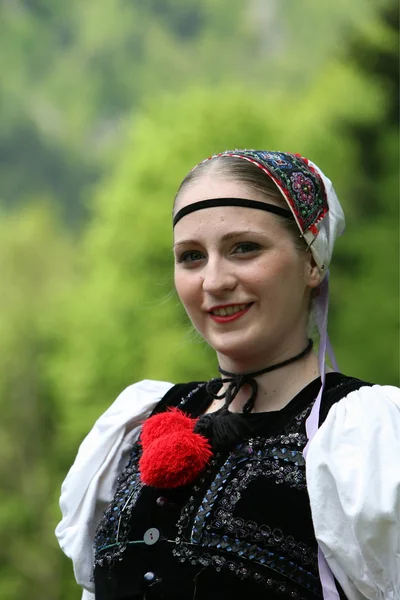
{"x": 105, "y": 106}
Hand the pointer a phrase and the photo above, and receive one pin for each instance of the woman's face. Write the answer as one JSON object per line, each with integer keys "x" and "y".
{"x": 243, "y": 283}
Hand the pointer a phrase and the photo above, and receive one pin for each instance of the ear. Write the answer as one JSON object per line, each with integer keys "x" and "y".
{"x": 313, "y": 272}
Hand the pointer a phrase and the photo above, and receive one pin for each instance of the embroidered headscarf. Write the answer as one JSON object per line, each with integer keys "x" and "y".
{"x": 309, "y": 194}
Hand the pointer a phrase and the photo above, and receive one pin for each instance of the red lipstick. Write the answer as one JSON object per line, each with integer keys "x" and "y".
{"x": 228, "y": 318}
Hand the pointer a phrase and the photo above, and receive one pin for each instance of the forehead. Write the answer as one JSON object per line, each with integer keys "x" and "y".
{"x": 211, "y": 186}
{"x": 220, "y": 220}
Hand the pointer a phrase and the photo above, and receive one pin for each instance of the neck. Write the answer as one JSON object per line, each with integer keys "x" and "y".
{"x": 278, "y": 387}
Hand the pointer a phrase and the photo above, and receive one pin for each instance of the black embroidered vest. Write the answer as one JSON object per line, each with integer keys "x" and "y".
{"x": 243, "y": 529}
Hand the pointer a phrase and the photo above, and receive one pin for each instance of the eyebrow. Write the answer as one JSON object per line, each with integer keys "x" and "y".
{"x": 225, "y": 237}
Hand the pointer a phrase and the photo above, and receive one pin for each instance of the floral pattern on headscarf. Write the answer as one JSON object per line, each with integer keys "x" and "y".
{"x": 299, "y": 183}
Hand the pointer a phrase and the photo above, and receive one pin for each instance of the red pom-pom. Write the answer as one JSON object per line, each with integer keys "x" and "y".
{"x": 174, "y": 459}
{"x": 164, "y": 424}
{"x": 173, "y": 455}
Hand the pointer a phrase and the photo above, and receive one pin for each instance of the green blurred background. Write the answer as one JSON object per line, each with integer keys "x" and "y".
{"x": 105, "y": 105}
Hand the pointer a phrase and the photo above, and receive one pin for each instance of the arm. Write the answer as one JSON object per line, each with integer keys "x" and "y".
{"x": 90, "y": 484}
{"x": 353, "y": 478}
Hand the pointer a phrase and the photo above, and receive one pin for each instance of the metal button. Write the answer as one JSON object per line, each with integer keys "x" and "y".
{"x": 151, "y": 536}
{"x": 149, "y": 576}
{"x": 162, "y": 501}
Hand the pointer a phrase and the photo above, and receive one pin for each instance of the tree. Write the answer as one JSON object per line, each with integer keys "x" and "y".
{"x": 72, "y": 74}
{"x": 126, "y": 320}
{"x": 36, "y": 265}
{"x": 81, "y": 319}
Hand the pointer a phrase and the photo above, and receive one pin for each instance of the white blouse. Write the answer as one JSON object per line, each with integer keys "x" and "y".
{"x": 353, "y": 479}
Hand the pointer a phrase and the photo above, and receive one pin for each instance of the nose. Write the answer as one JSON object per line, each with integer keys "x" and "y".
{"x": 218, "y": 276}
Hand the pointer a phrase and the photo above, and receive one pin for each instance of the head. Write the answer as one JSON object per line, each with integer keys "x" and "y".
{"x": 246, "y": 261}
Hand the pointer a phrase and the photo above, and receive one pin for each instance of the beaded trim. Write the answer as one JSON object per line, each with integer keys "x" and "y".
{"x": 112, "y": 534}
{"x": 186, "y": 399}
{"x": 242, "y": 570}
{"x": 257, "y": 543}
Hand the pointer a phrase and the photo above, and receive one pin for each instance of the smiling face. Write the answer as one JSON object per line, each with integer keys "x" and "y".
{"x": 244, "y": 284}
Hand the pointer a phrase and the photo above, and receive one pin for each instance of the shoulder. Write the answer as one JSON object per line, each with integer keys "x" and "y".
{"x": 353, "y": 479}
{"x": 367, "y": 414}
{"x": 368, "y": 403}
{"x": 139, "y": 398}
{"x": 140, "y": 395}
{"x": 362, "y": 423}
{"x": 134, "y": 404}
{"x": 180, "y": 395}
{"x": 337, "y": 387}
{"x": 119, "y": 425}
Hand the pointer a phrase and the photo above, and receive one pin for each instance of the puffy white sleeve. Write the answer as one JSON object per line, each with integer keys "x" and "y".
{"x": 90, "y": 484}
{"x": 353, "y": 478}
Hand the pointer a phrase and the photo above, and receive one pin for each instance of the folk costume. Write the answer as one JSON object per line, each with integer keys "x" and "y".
{"x": 167, "y": 502}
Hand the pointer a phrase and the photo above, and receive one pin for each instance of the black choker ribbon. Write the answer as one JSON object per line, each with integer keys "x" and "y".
{"x": 236, "y": 381}
{"x": 201, "y": 204}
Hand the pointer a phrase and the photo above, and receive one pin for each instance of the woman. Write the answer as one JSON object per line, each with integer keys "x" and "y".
{"x": 200, "y": 490}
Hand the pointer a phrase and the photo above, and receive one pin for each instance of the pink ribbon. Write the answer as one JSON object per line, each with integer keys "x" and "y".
{"x": 329, "y": 589}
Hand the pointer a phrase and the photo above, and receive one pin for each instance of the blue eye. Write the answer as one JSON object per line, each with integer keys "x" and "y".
{"x": 190, "y": 257}
{"x": 246, "y": 247}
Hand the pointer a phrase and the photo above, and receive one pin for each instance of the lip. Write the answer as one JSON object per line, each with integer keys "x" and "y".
{"x": 229, "y": 318}
{"x": 217, "y": 306}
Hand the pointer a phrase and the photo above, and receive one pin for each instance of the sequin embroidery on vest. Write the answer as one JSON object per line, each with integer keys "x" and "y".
{"x": 211, "y": 533}
{"x": 112, "y": 534}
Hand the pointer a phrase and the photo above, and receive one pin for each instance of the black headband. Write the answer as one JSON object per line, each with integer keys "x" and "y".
{"x": 283, "y": 212}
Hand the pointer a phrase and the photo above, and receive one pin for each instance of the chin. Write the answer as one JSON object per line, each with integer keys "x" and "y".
{"x": 238, "y": 349}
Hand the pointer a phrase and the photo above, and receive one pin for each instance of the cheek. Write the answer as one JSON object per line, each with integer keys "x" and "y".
{"x": 268, "y": 272}
{"x": 179, "y": 284}
{"x": 187, "y": 287}
{"x": 279, "y": 278}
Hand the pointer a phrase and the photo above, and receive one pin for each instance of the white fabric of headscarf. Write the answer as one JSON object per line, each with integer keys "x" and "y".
{"x": 329, "y": 228}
